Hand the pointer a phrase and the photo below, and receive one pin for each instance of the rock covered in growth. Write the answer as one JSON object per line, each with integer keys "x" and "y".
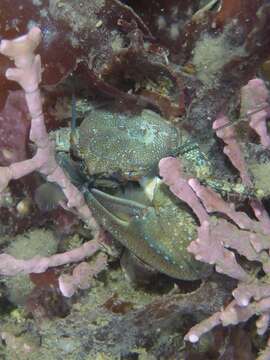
{"x": 36, "y": 242}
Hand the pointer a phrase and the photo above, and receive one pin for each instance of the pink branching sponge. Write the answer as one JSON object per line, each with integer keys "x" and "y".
{"x": 256, "y": 108}
{"x": 27, "y": 73}
{"x": 82, "y": 275}
{"x": 217, "y": 243}
{"x": 219, "y": 239}
{"x": 232, "y": 148}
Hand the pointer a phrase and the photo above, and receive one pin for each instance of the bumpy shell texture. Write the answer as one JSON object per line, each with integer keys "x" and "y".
{"x": 129, "y": 146}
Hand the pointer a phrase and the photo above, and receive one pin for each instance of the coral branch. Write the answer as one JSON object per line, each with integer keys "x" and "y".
{"x": 255, "y": 107}
{"x": 232, "y": 148}
{"x": 82, "y": 275}
{"x": 213, "y": 202}
{"x": 245, "y": 292}
{"x": 218, "y": 237}
{"x": 170, "y": 170}
{"x": 262, "y": 323}
{"x": 208, "y": 248}
{"x": 11, "y": 266}
{"x": 28, "y": 74}
{"x": 204, "y": 326}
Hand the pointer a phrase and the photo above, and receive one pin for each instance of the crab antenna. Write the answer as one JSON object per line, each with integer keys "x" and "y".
{"x": 73, "y": 121}
{"x": 73, "y": 112}
{"x": 244, "y": 118}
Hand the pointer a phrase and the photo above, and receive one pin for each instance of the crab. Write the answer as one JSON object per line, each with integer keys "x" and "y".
{"x": 157, "y": 233}
{"x": 148, "y": 220}
{"x": 112, "y": 144}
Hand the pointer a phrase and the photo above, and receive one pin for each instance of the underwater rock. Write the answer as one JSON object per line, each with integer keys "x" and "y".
{"x": 32, "y": 243}
{"x": 151, "y": 327}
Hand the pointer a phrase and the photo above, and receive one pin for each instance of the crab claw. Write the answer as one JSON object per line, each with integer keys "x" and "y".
{"x": 113, "y": 211}
{"x": 147, "y": 233}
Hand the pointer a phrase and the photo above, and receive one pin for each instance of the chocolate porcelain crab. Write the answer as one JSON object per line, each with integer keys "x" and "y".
{"x": 146, "y": 219}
